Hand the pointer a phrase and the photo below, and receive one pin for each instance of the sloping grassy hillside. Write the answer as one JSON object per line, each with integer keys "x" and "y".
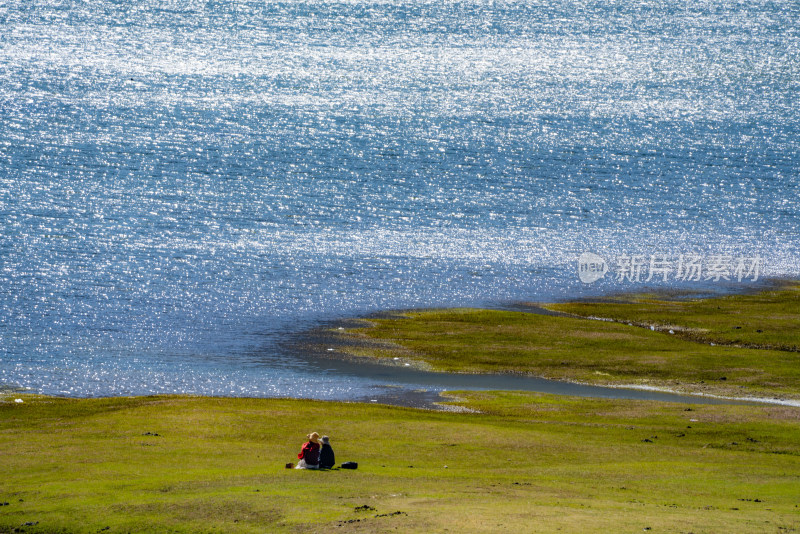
{"x": 527, "y": 463}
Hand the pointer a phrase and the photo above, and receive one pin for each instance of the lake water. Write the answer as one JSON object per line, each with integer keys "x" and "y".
{"x": 186, "y": 186}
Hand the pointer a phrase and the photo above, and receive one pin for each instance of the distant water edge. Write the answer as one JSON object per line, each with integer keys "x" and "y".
{"x": 185, "y": 186}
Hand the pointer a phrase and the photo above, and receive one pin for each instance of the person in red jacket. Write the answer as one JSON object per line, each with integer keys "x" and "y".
{"x": 309, "y": 455}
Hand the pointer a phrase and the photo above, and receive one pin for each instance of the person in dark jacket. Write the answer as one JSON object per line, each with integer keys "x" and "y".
{"x": 326, "y": 457}
{"x": 309, "y": 455}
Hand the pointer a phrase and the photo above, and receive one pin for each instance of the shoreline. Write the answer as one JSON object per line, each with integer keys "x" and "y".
{"x": 754, "y": 400}
{"x": 327, "y": 343}
{"x": 445, "y": 342}
{"x": 437, "y": 398}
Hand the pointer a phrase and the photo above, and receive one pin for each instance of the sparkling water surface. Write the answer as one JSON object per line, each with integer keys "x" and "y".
{"x": 186, "y": 186}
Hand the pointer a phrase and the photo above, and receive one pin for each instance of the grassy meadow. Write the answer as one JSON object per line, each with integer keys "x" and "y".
{"x": 739, "y": 346}
{"x": 496, "y": 462}
{"x": 767, "y": 320}
{"x": 521, "y": 462}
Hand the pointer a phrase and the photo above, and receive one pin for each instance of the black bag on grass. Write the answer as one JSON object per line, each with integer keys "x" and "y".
{"x": 350, "y": 465}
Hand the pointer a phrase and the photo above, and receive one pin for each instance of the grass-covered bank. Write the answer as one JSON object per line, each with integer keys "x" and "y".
{"x": 768, "y": 319}
{"x": 742, "y": 345}
{"x": 527, "y": 463}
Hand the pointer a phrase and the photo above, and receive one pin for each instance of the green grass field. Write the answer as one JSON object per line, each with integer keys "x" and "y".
{"x": 746, "y": 345}
{"x": 528, "y": 462}
{"x": 769, "y": 319}
{"x": 509, "y": 461}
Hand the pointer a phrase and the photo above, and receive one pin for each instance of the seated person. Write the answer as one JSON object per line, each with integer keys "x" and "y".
{"x": 309, "y": 455}
{"x": 326, "y": 457}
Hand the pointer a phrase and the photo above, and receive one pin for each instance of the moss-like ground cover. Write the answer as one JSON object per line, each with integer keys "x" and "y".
{"x": 522, "y": 462}
{"x": 745, "y": 345}
{"x": 769, "y": 319}
{"x": 527, "y": 463}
